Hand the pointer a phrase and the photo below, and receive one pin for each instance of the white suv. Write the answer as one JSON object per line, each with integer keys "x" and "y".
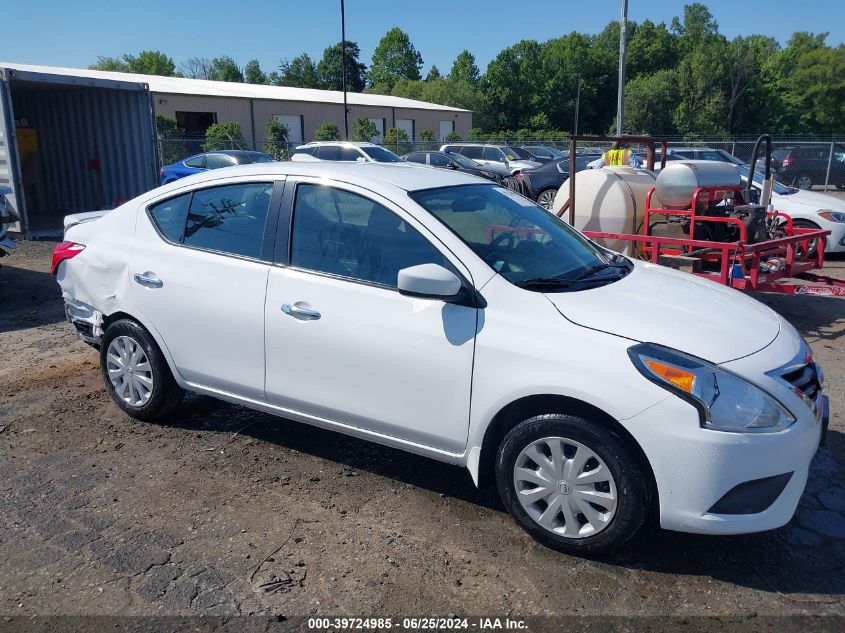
{"x": 346, "y": 151}
{"x": 448, "y": 316}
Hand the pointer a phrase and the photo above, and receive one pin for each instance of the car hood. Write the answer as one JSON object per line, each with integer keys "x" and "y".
{"x": 659, "y": 305}
{"x": 523, "y": 164}
{"x": 812, "y": 199}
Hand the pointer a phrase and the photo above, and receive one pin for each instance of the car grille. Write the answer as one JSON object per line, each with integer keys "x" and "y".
{"x": 805, "y": 379}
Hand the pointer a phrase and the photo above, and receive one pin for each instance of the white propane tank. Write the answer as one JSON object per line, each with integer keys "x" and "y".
{"x": 610, "y": 200}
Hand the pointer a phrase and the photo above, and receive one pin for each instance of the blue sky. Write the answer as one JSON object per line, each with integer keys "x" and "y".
{"x": 74, "y": 33}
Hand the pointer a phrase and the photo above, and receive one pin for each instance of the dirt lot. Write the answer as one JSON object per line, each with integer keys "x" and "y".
{"x": 228, "y": 511}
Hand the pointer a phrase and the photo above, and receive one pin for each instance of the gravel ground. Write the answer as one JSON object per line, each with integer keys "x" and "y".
{"x": 227, "y": 511}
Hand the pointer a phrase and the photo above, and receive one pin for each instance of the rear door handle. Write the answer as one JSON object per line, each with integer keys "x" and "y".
{"x": 148, "y": 279}
{"x": 299, "y": 312}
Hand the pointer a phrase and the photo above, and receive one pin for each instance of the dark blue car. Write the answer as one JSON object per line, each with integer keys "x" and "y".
{"x": 211, "y": 160}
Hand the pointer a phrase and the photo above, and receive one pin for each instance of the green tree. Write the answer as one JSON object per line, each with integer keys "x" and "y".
{"x": 514, "y": 84}
{"x": 396, "y": 139}
{"x": 327, "y": 131}
{"x": 364, "y": 130}
{"x": 300, "y": 72}
{"x": 170, "y": 137}
{"x": 747, "y": 60}
{"x": 224, "y": 136}
{"x": 453, "y": 136}
{"x": 276, "y": 139}
{"x": 253, "y": 73}
{"x": 144, "y": 63}
{"x": 464, "y": 68}
{"x": 433, "y": 74}
{"x": 649, "y": 102}
{"x": 329, "y": 70}
{"x": 651, "y": 48}
{"x": 395, "y": 58}
{"x": 225, "y": 69}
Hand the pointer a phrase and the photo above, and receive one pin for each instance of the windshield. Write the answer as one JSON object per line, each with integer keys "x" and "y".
{"x": 381, "y": 155}
{"x": 778, "y": 188}
{"x": 258, "y": 157}
{"x": 521, "y": 153}
{"x": 546, "y": 152}
{"x": 518, "y": 239}
{"x": 463, "y": 161}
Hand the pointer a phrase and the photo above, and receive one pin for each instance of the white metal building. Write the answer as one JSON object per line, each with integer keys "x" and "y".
{"x": 76, "y": 140}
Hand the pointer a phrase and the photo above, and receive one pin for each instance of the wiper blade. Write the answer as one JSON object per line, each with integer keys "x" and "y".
{"x": 544, "y": 282}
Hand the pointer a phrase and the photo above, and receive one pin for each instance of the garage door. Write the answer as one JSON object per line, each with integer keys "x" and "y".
{"x": 294, "y": 125}
{"x": 379, "y": 123}
{"x": 408, "y": 126}
{"x": 446, "y": 128}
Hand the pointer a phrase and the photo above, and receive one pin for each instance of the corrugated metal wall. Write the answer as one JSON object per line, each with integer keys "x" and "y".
{"x": 74, "y": 127}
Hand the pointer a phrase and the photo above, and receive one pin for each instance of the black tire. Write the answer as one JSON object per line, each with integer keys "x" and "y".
{"x": 803, "y": 179}
{"x": 165, "y": 395}
{"x": 545, "y": 193}
{"x": 631, "y": 486}
{"x": 814, "y": 244}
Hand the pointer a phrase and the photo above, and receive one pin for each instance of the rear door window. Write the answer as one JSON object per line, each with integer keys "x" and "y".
{"x": 472, "y": 151}
{"x": 196, "y": 161}
{"x": 328, "y": 152}
{"x": 229, "y": 219}
{"x": 416, "y": 158}
{"x": 439, "y": 160}
{"x": 348, "y": 153}
{"x": 493, "y": 153}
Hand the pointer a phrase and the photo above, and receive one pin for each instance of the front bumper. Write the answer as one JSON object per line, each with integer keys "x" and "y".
{"x": 695, "y": 468}
{"x": 835, "y": 242}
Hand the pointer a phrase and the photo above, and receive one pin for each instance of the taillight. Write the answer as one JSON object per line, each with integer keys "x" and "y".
{"x": 787, "y": 161}
{"x": 64, "y": 251}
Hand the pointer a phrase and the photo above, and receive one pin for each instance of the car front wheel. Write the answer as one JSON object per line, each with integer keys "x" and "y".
{"x": 135, "y": 372}
{"x": 804, "y": 181}
{"x": 571, "y": 484}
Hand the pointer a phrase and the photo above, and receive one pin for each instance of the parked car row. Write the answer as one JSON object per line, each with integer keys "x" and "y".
{"x": 198, "y": 163}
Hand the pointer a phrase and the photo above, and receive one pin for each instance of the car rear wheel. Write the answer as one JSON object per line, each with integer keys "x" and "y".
{"x": 571, "y": 483}
{"x": 546, "y": 198}
{"x": 804, "y": 181}
{"x": 135, "y": 372}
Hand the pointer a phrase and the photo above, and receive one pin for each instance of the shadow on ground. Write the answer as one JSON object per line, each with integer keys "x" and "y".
{"x": 789, "y": 561}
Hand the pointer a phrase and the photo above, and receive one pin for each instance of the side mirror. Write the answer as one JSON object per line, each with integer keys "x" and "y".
{"x": 429, "y": 281}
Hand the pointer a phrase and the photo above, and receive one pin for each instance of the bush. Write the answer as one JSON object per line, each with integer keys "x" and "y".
{"x": 276, "y": 140}
{"x": 327, "y": 131}
{"x": 224, "y": 136}
{"x": 426, "y": 138}
{"x": 364, "y": 130}
{"x": 396, "y": 140}
{"x": 453, "y": 136}
{"x": 170, "y": 139}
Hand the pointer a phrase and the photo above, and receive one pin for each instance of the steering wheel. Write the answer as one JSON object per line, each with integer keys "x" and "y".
{"x": 492, "y": 255}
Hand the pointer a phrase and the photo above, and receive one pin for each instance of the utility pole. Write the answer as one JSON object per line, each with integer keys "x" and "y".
{"x": 577, "y": 105}
{"x": 343, "y": 70}
{"x": 623, "y": 45}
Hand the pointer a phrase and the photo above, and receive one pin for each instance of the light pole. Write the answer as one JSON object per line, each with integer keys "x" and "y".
{"x": 343, "y": 70}
{"x": 620, "y": 97}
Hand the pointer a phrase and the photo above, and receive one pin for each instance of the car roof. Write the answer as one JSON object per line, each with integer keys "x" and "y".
{"x": 378, "y": 177}
{"x": 348, "y": 143}
{"x": 690, "y": 149}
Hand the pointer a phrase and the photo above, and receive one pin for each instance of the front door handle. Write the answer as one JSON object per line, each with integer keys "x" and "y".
{"x": 148, "y": 279}
{"x": 300, "y": 312}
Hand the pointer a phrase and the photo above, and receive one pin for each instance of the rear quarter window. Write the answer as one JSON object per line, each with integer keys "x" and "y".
{"x": 170, "y": 216}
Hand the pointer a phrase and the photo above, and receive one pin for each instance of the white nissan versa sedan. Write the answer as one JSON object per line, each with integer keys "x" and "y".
{"x": 445, "y": 315}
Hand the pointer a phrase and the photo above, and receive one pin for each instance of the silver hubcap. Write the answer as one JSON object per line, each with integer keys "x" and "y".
{"x": 565, "y": 487}
{"x": 129, "y": 371}
{"x": 546, "y": 199}
{"x": 804, "y": 182}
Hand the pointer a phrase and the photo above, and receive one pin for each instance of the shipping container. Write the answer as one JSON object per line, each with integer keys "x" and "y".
{"x": 70, "y": 144}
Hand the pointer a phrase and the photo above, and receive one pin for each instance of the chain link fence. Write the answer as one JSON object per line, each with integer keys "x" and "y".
{"x": 798, "y": 161}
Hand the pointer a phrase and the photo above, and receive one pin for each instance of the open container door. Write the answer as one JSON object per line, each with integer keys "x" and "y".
{"x": 10, "y": 175}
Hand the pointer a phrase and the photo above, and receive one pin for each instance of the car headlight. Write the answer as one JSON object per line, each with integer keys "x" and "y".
{"x": 725, "y": 402}
{"x": 833, "y": 216}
